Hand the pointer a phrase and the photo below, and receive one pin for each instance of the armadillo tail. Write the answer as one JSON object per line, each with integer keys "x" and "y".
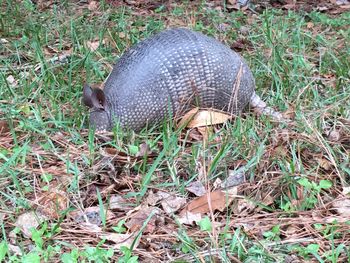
{"x": 260, "y": 107}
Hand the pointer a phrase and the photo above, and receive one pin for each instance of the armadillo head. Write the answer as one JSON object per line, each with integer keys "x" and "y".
{"x": 95, "y": 99}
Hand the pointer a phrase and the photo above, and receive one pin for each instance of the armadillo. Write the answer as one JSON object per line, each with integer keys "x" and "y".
{"x": 166, "y": 75}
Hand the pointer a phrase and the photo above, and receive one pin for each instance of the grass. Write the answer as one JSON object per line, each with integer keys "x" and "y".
{"x": 295, "y": 174}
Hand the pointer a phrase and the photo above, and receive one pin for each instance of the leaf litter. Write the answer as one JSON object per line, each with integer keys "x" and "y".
{"x": 159, "y": 209}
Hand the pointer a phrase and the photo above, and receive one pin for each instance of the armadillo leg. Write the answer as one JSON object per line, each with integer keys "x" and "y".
{"x": 261, "y": 108}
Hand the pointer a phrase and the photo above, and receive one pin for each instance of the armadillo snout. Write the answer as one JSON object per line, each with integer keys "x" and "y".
{"x": 100, "y": 120}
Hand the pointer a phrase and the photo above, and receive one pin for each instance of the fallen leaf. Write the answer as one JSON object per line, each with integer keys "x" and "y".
{"x": 334, "y": 136}
{"x": 217, "y": 183}
{"x": 240, "y": 44}
{"x": 29, "y": 220}
{"x": 143, "y": 215}
{"x": 217, "y": 200}
{"x": 187, "y": 117}
{"x": 173, "y": 203}
{"x": 154, "y": 198}
{"x": 90, "y": 219}
{"x": 268, "y": 200}
{"x": 235, "y": 177}
{"x": 345, "y": 6}
{"x": 342, "y": 207}
{"x": 121, "y": 240}
{"x": 170, "y": 203}
{"x": 15, "y": 250}
{"x": 208, "y": 117}
{"x": 289, "y": 6}
{"x": 188, "y": 218}
{"x": 310, "y": 25}
{"x": 11, "y": 81}
{"x": 93, "y": 5}
{"x": 196, "y": 188}
{"x": 93, "y": 45}
{"x": 144, "y": 149}
{"x": 267, "y": 53}
{"x": 121, "y": 34}
{"x": 341, "y": 2}
{"x": 324, "y": 163}
{"x": 111, "y": 151}
{"x": 118, "y": 202}
{"x": 292, "y": 231}
{"x": 53, "y": 203}
{"x": 289, "y": 114}
{"x": 4, "y": 127}
{"x": 346, "y": 190}
{"x": 243, "y": 207}
{"x": 322, "y": 8}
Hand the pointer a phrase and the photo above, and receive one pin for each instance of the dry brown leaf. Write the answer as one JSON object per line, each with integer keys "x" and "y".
{"x": 93, "y": 5}
{"x": 189, "y": 218}
{"x": 310, "y": 25}
{"x": 166, "y": 199}
{"x": 111, "y": 151}
{"x": 11, "y": 81}
{"x": 25, "y": 222}
{"x": 15, "y": 250}
{"x": 143, "y": 150}
{"x": 187, "y": 117}
{"x": 334, "y": 136}
{"x": 346, "y": 190}
{"x": 90, "y": 219}
{"x": 289, "y": 6}
{"x": 173, "y": 203}
{"x": 243, "y": 207}
{"x": 291, "y": 231}
{"x": 268, "y": 200}
{"x": 196, "y": 188}
{"x": 140, "y": 217}
{"x": 153, "y": 198}
{"x": 324, "y": 163}
{"x": 235, "y": 177}
{"x": 217, "y": 183}
{"x": 53, "y": 203}
{"x": 4, "y": 127}
{"x": 118, "y": 202}
{"x": 289, "y": 114}
{"x": 121, "y": 239}
{"x": 205, "y": 132}
{"x": 93, "y": 45}
{"x": 218, "y": 201}
{"x": 121, "y": 34}
{"x": 267, "y": 53}
{"x": 345, "y": 7}
{"x": 208, "y": 117}
{"x": 342, "y": 207}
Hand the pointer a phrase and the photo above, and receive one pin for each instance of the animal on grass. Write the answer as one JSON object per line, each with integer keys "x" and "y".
{"x": 168, "y": 74}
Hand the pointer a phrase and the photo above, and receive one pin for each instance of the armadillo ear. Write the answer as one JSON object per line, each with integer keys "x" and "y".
{"x": 87, "y": 91}
{"x": 94, "y": 97}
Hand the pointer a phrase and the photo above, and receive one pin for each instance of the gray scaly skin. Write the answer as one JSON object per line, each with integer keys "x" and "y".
{"x": 167, "y": 75}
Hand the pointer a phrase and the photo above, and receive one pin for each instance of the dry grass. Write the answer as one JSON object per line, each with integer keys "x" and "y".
{"x": 296, "y": 189}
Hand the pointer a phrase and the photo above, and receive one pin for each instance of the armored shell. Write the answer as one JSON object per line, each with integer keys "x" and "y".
{"x": 168, "y": 74}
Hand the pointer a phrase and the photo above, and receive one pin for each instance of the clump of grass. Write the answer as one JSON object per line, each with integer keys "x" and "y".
{"x": 293, "y": 173}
